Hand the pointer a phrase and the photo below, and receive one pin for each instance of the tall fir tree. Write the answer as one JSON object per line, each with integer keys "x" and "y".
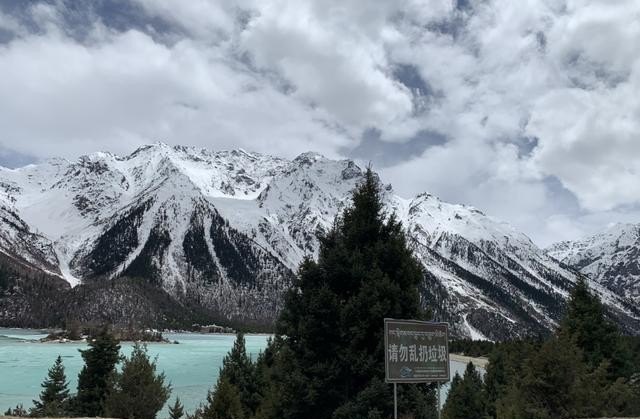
{"x": 495, "y": 379}
{"x": 467, "y": 398}
{"x": 54, "y": 398}
{"x": 505, "y": 365}
{"x": 549, "y": 386}
{"x": 224, "y": 402}
{"x": 138, "y": 392}
{"x": 265, "y": 373}
{"x": 599, "y": 339}
{"x": 5, "y": 280}
{"x": 237, "y": 375}
{"x": 330, "y": 360}
{"x": 176, "y": 410}
{"x": 95, "y": 380}
{"x": 238, "y": 368}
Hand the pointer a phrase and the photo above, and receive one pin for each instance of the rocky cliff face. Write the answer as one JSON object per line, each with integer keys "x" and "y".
{"x": 221, "y": 234}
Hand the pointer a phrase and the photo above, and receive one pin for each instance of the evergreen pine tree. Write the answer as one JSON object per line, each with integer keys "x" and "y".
{"x": 330, "y": 362}
{"x": 495, "y": 379}
{"x": 138, "y": 391}
{"x": 265, "y": 374}
{"x": 505, "y": 367}
{"x": 5, "y": 280}
{"x": 239, "y": 370}
{"x": 240, "y": 373}
{"x": 54, "y": 398}
{"x": 634, "y": 408}
{"x": 549, "y": 387}
{"x": 599, "y": 396}
{"x": 451, "y": 406}
{"x": 95, "y": 380}
{"x": 222, "y": 403}
{"x": 599, "y": 339}
{"x": 176, "y": 411}
{"x": 466, "y": 399}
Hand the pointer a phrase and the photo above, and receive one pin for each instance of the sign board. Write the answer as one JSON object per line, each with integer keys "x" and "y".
{"x": 416, "y": 351}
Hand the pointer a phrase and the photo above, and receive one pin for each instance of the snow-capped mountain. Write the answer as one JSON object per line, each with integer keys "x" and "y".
{"x": 221, "y": 234}
{"x": 610, "y": 258}
{"x": 493, "y": 280}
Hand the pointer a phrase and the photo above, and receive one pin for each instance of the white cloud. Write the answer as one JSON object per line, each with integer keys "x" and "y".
{"x": 523, "y": 92}
{"x": 589, "y": 131}
{"x": 334, "y": 57}
{"x": 490, "y": 177}
{"x": 63, "y": 97}
{"x": 589, "y": 139}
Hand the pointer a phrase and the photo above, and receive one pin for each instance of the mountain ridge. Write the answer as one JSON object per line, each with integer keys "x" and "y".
{"x": 225, "y": 231}
{"x": 610, "y": 258}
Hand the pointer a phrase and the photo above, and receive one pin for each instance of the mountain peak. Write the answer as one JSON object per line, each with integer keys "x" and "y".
{"x": 611, "y": 258}
{"x": 309, "y": 157}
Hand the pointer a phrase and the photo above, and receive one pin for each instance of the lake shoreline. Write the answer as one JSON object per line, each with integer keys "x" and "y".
{"x": 45, "y": 331}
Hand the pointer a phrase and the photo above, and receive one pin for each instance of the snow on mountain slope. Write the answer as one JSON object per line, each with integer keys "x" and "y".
{"x": 226, "y": 230}
{"x": 610, "y": 258}
{"x": 21, "y": 244}
{"x": 499, "y": 281}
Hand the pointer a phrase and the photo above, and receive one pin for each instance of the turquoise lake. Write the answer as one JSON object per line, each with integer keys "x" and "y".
{"x": 191, "y": 366}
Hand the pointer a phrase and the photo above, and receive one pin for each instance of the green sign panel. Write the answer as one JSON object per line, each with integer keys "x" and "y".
{"x": 416, "y": 351}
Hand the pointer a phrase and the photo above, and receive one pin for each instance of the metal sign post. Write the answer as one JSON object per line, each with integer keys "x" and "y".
{"x": 415, "y": 352}
{"x": 395, "y": 400}
{"x": 438, "y": 399}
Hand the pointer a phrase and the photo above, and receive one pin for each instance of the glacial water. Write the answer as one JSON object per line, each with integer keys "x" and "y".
{"x": 191, "y": 366}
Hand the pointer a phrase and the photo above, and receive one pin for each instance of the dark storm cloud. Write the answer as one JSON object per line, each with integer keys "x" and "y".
{"x": 423, "y": 94}
{"x": 561, "y": 199}
{"x": 6, "y": 36}
{"x": 409, "y": 75}
{"x": 464, "y": 4}
{"x": 384, "y": 154}
{"x": 525, "y": 145}
{"x": 78, "y": 18}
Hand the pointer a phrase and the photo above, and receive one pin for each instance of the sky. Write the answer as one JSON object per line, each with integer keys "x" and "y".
{"x": 528, "y": 110}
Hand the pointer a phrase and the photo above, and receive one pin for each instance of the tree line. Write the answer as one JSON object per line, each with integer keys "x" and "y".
{"x": 586, "y": 369}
